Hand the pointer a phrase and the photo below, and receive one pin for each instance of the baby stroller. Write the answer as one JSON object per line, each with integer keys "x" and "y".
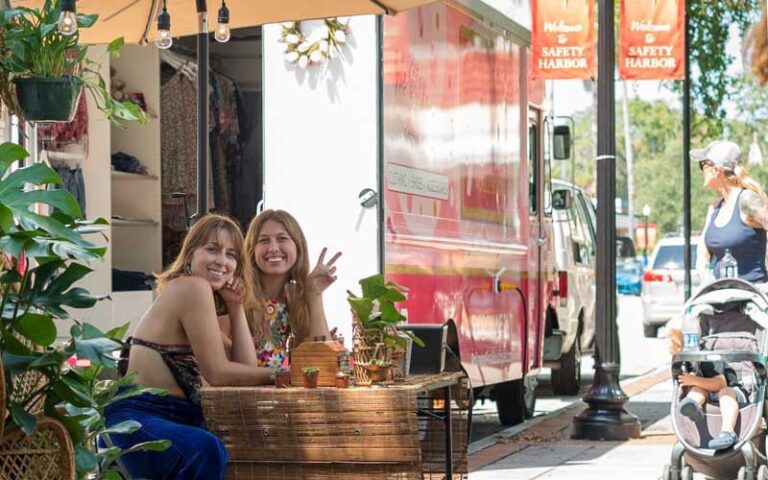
{"x": 733, "y": 320}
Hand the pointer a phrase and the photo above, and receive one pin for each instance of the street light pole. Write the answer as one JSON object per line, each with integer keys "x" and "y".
{"x": 646, "y": 214}
{"x": 605, "y": 417}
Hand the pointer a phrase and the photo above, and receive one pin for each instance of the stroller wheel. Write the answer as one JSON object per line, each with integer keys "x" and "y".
{"x": 742, "y": 475}
{"x": 762, "y": 472}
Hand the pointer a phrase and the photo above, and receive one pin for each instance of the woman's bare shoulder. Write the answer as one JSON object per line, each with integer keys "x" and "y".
{"x": 187, "y": 285}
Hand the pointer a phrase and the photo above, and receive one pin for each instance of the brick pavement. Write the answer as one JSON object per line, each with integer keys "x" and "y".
{"x": 551, "y": 436}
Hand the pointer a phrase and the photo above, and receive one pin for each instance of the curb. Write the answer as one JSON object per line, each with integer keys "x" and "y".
{"x": 488, "y": 450}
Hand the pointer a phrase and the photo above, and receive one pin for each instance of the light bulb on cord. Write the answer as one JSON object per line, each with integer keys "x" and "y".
{"x": 222, "y": 29}
{"x": 67, "y": 24}
{"x": 164, "y": 39}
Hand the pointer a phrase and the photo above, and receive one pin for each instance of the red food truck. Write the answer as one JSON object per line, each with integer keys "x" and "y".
{"x": 425, "y": 154}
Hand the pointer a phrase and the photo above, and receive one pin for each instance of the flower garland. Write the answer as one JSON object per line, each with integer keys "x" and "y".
{"x": 302, "y": 50}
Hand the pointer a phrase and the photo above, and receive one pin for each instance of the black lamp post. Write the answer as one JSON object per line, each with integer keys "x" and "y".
{"x": 646, "y": 214}
{"x": 605, "y": 417}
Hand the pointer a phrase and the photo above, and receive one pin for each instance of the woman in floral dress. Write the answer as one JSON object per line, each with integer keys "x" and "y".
{"x": 288, "y": 297}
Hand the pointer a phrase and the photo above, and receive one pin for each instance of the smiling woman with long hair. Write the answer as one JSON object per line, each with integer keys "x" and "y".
{"x": 287, "y": 297}
{"x": 171, "y": 350}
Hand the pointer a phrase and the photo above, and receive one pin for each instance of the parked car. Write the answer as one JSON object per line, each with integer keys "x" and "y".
{"x": 629, "y": 270}
{"x": 664, "y": 283}
{"x": 571, "y": 328}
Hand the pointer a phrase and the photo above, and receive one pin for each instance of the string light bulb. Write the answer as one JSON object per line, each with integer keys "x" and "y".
{"x": 164, "y": 39}
{"x": 67, "y": 24}
{"x": 222, "y": 29}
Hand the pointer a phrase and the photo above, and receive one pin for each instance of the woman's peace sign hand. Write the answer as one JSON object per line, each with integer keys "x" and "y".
{"x": 323, "y": 275}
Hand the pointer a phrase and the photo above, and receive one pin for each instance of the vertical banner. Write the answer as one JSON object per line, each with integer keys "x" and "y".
{"x": 652, "y": 40}
{"x": 563, "y": 39}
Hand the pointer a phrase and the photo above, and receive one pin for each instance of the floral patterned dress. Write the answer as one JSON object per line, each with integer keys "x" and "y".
{"x": 271, "y": 351}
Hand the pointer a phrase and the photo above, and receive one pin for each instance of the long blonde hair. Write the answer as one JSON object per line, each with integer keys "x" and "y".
{"x": 294, "y": 290}
{"x": 743, "y": 179}
{"x": 197, "y": 237}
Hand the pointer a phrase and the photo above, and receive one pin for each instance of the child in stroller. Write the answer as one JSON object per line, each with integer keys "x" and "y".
{"x": 716, "y": 382}
{"x": 722, "y": 440}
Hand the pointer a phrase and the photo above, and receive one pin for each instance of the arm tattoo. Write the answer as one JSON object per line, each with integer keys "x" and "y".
{"x": 753, "y": 206}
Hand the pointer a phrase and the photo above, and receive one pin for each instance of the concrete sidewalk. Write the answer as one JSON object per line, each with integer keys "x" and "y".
{"x": 546, "y": 451}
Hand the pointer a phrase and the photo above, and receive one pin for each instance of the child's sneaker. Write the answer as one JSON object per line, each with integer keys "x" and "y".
{"x": 724, "y": 440}
{"x": 691, "y": 409}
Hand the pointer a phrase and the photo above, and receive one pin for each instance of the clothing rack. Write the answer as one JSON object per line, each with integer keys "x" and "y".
{"x": 182, "y": 63}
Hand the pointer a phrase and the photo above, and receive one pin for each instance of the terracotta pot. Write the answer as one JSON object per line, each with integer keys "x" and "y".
{"x": 310, "y": 381}
{"x": 342, "y": 381}
{"x": 377, "y": 373}
{"x": 283, "y": 380}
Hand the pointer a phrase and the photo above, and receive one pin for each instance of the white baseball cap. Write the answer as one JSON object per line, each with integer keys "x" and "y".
{"x": 722, "y": 153}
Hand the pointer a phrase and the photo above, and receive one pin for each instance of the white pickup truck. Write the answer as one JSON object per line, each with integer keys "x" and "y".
{"x": 570, "y": 329}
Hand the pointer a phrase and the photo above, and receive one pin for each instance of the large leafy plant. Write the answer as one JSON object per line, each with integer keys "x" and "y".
{"x": 31, "y": 46}
{"x": 44, "y": 256}
{"x": 376, "y": 313}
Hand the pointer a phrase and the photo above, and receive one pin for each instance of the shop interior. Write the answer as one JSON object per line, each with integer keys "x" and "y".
{"x": 148, "y": 189}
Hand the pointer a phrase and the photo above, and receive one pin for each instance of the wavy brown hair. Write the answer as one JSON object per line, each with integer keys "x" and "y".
{"x": 197, "y": 237}
{"x": 294, "y": 290}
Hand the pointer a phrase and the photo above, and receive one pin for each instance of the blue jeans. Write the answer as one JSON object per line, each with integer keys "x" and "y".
{"x": 195, "y": 453}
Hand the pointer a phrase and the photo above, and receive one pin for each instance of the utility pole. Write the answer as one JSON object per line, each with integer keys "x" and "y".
{"x": 630, "y": 160}
{"x": 605, "y": 417}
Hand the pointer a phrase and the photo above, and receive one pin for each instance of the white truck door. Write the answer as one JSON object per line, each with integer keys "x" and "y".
{"x": 321, "y": 151}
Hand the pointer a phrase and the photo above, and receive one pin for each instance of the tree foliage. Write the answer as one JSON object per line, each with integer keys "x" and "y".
{"x": 711, "y": 82}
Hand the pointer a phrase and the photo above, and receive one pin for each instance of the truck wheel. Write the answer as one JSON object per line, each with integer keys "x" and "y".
{"x": 650, "y": 331}
{"x": 515, "y": 402}
{"x": 566, "y": 380}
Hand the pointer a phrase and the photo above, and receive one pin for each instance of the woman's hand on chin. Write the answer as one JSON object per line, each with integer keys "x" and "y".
{"x": 232, "y": 292}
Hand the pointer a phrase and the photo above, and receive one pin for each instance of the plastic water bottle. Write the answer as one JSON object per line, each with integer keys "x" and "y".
{"x": 729, "y": 267}
{"x": 690, "y": 332}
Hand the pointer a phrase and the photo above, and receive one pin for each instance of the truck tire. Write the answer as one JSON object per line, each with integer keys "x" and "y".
{"x": 514, "y": 402}
{"x": 566, "y": 380}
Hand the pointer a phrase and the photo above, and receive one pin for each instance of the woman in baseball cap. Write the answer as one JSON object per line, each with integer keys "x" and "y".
{"x": 738, "y": 220}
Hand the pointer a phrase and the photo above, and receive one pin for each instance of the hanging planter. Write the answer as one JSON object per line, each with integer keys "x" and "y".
{"x": 48, "y": 99}
{"x": 43, "y": 68}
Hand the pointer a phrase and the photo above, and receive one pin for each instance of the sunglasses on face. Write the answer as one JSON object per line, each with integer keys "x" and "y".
{"x": 705, "y": 163}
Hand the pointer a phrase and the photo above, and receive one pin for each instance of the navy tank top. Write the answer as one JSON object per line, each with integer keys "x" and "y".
{"x": 747, "y": 244}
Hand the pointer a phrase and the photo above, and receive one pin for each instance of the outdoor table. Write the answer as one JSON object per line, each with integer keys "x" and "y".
{"x": 401, "y": 430}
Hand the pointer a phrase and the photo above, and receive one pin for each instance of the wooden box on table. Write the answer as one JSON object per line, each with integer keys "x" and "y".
{"x": 324, "y": 355}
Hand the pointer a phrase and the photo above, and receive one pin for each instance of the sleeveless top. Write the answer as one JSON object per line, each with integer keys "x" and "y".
{"x": 180, "y": 360}
{"x": 272, "y": 350}
{"x": 747, "y": 244}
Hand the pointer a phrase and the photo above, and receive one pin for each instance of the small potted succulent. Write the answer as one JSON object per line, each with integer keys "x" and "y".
{"x": 310, "y": 376}
{"x": 342, "y": 380}
{"x": 378, "y": 370}
{"x": 282, "y": 377}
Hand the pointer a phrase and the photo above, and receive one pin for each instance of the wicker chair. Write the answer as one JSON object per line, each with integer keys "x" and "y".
{"x": 47, "y": 455}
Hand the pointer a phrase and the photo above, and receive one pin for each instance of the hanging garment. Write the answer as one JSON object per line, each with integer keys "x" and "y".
{"x": 55, "y": 136}
{"x": 73, "y": 182}
{"x": 178, "y": 149}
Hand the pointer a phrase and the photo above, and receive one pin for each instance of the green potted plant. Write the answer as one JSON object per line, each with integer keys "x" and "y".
{"x": 375, "y": 324}
{"x": 282, "y": 377}
{"x": 44, "y": 257}
{"x": 310, "y": 376}
{"x": 43, "y": 72}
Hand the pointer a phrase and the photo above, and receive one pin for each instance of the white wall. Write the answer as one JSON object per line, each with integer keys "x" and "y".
{"x": 96, "y": 173}
{"x": 320, "y": 150}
